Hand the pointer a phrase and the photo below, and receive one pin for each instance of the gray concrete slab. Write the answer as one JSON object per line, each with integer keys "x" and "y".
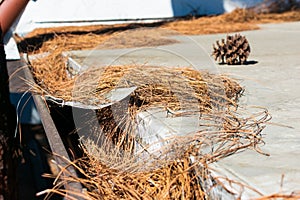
{"x": 187, "y": 52}
{"x": 273, "y": 82}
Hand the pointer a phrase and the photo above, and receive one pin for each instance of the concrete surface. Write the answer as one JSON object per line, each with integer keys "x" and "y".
{"x": 273, "y": 83}
{"x": 271, "y": 80}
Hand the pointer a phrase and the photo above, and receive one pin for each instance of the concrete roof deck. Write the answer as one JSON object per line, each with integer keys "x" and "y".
{"x": 271, "y": 80}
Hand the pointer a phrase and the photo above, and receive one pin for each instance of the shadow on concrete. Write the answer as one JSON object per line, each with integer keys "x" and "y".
{"x": 251, "y": 62}
{"x": 34, "y": 43}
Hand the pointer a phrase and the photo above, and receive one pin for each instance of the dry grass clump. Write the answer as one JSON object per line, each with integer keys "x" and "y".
{"x": 50, "y": 74}
{"x": 89, "y": 37}
{"x": 276, "y": 6}
{"x": 236, "y": 21}
{"x": 138, "y": 38}
{"x": 158, "y": 85}
{"x": 120, "y": 163}
{"x": 289, "y": 16}
{"x": 71, "y": 42}
{"x": 122, "y": 166}
{"x": 179, "y": 172}
{"x": 176, "y": 180}
{"x": 291, "y": 196}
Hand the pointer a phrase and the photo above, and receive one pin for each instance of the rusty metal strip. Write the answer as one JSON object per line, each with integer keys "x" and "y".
{"x": 54, "y": 138}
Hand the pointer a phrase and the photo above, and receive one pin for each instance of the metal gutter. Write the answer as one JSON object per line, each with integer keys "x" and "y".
{"x": 54, "y": 139}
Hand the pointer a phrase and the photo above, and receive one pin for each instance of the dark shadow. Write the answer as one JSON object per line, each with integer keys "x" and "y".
{"x": 32, "y": 164}
{"x": 8, "y": 146}
{"x": 34, "y": 43}
{"x": 196, "y": 7}
{"x": 251, "y": 62}
{"x": 65, "y": 125}
{"x": 31, "y": 161}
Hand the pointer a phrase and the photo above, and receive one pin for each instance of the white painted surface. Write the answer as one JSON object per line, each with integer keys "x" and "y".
{"x": 58, "y": 12}
{"x": 230, "y": 5}
{"x": 42, "y": 14}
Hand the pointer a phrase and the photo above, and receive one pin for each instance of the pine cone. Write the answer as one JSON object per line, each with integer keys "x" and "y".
{"x": 234, "y": 51}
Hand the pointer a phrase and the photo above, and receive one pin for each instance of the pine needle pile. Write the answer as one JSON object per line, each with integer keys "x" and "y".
{"x": 235, "y": 50}
{"x": 157, "y": 85}
{"x": 118, "y": 164}
{"x": 179, "y": 172}
{"x": 277, "y": 6}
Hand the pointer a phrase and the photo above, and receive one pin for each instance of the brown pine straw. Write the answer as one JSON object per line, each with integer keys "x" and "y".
{"x": 291, "y": 196}
{"x": 115, "y": 168}
{"x": 179, "y": 170}
{"x": 110, "y": 175}
{"x": 89, "y": 37}
{"x": 153, "y": 83}
{"x": 239, "y": 19}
